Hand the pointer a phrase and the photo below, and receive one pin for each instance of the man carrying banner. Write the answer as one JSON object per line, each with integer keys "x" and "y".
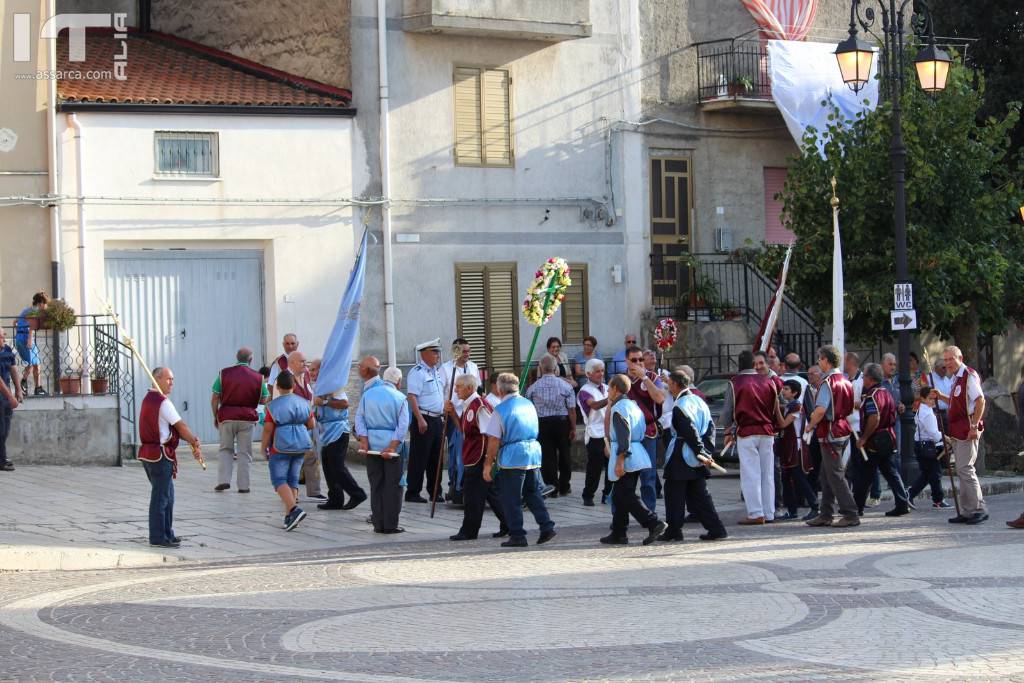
{"x": 828, "y": 421}
{"x": 160, "y": 429}
{"x": 382, "y": 420}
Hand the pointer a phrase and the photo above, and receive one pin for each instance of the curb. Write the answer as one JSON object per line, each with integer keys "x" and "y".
{"x": 70, "y": 558}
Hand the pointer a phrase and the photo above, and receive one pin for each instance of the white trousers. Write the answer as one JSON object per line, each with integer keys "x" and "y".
{"x": 757, "y": 475}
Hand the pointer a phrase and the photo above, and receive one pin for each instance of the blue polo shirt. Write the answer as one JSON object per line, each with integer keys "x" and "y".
{"x": 7, "y": 360}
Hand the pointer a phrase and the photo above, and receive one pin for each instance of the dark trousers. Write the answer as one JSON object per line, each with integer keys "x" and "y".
{"x": 161, "y": 500}
{"x": 597, "y": 464}
{"x": 385, "y": 475}
{"x": 424, "y": 452}
{"x": 879, "y": 460}
{"x": 930, "y": 468}
{"x": 555, "y": 447}
{"x": 796, "y": 489}
{"x": 476, "y": 494}
{"x": 517, "y": 487}
{"x": 692, "y": 494}
{"x": 5, "y": 427}
{"x": 339, "y": 479}
{"x": 814, "y": 476}
{"x": 625, "y": 503}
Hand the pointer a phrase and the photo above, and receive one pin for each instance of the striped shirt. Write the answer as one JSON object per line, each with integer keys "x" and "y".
{"x": 552, "y": 396}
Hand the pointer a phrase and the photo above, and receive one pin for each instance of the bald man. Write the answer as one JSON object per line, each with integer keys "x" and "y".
{"x": 311, "y": 463}
{"x": 237, "y": 393}
{"x": 382, "y": 420}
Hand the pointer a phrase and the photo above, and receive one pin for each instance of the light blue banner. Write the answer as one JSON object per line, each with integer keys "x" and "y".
{"x": 337, "y": 356}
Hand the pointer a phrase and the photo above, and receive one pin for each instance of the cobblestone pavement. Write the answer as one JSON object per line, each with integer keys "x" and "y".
{"x": 894, "y": 599}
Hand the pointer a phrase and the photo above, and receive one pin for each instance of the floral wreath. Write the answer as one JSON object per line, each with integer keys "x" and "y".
{"x": 553, "y": 276}
{"x": 665, "y": 333}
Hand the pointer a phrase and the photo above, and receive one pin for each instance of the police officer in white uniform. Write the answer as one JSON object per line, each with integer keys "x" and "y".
{"x": 426, "y": 405}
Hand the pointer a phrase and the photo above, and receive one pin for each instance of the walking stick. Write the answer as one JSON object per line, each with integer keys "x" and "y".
{"x": 456, "y": 351}
{"x": 948, "y": 448}
{"x": 130, "y": 343}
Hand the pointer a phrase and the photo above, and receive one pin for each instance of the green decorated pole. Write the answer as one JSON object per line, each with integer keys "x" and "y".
{"x": 533, "y": 344}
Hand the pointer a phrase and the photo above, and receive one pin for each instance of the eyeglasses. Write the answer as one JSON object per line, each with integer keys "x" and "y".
{"x": 638, "y": 359}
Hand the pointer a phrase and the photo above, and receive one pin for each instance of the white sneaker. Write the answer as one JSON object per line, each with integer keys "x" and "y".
{"x": 872, "y": 502}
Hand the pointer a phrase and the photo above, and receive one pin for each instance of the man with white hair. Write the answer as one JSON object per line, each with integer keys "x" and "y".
{"x": 382, "y": 420}
{"x": 476, "y": 492}
{"x": 592, "y": 401}
{"x": 290, "y": 343}
{"x": 966, "y": 408}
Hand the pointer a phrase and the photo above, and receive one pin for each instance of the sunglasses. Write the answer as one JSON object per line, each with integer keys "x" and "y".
{"x": 636, "y": 360}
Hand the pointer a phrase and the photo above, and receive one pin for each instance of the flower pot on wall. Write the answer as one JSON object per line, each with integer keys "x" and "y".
{"x": 100, "y": 385}
{"x": 71, "y": 385}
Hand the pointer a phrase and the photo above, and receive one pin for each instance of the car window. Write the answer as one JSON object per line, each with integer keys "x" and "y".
{"x": 714, "y": 389}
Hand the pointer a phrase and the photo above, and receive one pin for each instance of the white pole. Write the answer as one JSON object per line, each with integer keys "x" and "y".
{"x": 83, "y": 292}
{"x": 385, "y": 181}
{"x": 54, "y": 157}
{"x": 838, "y": 325}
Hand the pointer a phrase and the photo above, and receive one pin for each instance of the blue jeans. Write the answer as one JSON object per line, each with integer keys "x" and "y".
{"x": 161, "y": 500}
{"x": 455, "y": 466}
{"x": 515, "y": 487}
{"x": 285, "y": 469}
{"x": 649, "y": 477}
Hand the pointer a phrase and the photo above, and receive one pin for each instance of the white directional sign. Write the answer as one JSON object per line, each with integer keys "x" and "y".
{"x": 903, "y": 296}
{"x": 903, "y": 320}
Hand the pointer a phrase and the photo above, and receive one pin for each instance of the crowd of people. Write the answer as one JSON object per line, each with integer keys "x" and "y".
{"x": 821, "y": 439}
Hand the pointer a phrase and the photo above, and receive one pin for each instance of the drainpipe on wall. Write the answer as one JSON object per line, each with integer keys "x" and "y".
{"x": 53, "y": 173}
{"x": 385, "y": 181}
{"x": 83, "y": 292}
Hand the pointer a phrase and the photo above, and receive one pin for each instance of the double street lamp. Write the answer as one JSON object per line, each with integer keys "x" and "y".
{"x": 932, "y": 64}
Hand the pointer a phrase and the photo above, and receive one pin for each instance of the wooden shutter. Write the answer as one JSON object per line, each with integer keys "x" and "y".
{"x": 774, "y": 230}
{"x": 488, "y": 311}
{"x": 497, "y": 118}
{"x": 468, "y": 147}
{"x": 575, "y": 318}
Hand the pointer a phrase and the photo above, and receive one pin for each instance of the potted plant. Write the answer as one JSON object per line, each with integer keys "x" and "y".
{"x": 71, "y": 383}
{"x": 60, "y": 316}
{"x": 740, "y": 85}
{"x": 99, "y": 381}
{"x": 731, "y": 311}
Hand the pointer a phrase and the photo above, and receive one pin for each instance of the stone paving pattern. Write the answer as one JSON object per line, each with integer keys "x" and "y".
{"x": 894, "y": 599}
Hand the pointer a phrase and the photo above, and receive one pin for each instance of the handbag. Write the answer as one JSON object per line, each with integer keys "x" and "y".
{"x": 925, "y": 450}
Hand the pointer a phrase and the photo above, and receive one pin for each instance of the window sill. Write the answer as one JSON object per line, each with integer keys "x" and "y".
{"x": 192, "y": 178}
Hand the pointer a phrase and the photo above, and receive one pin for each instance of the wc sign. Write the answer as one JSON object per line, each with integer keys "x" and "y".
{"x": 76, "y": 25}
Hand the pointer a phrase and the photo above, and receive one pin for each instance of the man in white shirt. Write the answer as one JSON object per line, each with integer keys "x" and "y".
{"x": 939, "y": 379}
{"x": 592, "y": 401}
{"x": 462, "y": 365}
{"x": 927, "y": 444}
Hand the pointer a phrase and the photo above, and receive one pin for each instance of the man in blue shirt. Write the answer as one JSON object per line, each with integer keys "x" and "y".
{"x": 25, "y": 341}
{"x": 382, "y": 420}
{"x": 426, "y": 405}
{"x": 9, "y": 398}
{"x": 619, "y": 366}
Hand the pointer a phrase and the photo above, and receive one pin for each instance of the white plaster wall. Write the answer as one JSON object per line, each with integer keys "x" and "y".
{"x": 308, "y": 250}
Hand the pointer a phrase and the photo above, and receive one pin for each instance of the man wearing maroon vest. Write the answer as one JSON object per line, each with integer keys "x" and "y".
{"x": 966, "y": 408}
{"x": 237, "y": 392}
{"x": 751, "y": 409}
{"x": 291, "y": 345}
{"x": 160, "y": 428}
{"x": 832, "y": 406}
{"x": 878, "y": 442}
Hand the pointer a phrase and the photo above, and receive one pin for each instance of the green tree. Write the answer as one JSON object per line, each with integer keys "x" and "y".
{"x": 965, "y": 247}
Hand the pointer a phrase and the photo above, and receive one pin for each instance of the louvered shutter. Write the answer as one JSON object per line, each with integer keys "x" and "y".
{"x": 467, "y": 116}
{"x": 497, "y": 116}
{"x": 503, "y": 320}
{"x": 574, "y": 308}
{"x": 774, "y": 230}
{"x": 472, "y": 318}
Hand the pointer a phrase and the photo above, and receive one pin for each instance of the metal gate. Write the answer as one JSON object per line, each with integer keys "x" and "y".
{"x": 190, "y": 311}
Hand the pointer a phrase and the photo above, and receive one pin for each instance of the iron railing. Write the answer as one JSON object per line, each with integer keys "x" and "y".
{"x": 83, "y": 356}
{"x": 733, "y": 68}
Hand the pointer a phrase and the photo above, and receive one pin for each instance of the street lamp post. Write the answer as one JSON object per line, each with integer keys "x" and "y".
{"x": 854, "y": 56}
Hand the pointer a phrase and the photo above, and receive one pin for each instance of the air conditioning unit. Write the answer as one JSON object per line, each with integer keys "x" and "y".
{"x": 723, "y": 240}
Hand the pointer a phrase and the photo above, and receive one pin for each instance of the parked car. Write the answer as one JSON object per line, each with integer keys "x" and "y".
{"x": 714, "y": 388}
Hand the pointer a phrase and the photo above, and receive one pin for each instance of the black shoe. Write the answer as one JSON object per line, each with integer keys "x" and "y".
{"x": 518, "y": 542}
{"x": 897, "y": 512}
{"x": 976, "y": 518}
{"x": 243, "y": 490}
{"x": 7, "y": 467}
{"x": 40, "y": 392}
{"x": 713, "y": 537}
{"x": 546, "y": 536}
{"x": 588, "y": 502}
{"x": 461, "y": 537}
{"x": 173, "y": 543}
{"x": 500, "y": 533}
{"x": 222, "y": 487}
{"x": 612, "y": 539}
{"x": 653, "y": 531}
{"x": 566, "y": 491}
{"x": 959, "y": 519}
{"x": 293, "y": 518}
{"x": 353, "y": 502}
{"x": 396, "y": 530}
{"x": 414, "y": 498}
{"x": 671, "y": 535}
{"x": 24, "y": 386}
{"x": 330, "y": 506}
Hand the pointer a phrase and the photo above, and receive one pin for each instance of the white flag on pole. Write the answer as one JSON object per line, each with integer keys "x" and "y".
{"x": 838, "y": 326}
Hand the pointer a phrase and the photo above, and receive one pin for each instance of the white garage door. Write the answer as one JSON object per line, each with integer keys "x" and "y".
{"x": 190, "y": 311}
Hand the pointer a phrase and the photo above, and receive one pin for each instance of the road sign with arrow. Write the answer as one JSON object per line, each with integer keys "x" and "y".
{"x": 903, "y": 320}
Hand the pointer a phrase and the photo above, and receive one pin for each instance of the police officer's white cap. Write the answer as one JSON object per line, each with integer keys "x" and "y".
{"x": 432, "y": 344}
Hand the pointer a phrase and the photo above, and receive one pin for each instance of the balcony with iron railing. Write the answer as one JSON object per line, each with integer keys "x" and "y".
{"x": 733, "y": 74}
